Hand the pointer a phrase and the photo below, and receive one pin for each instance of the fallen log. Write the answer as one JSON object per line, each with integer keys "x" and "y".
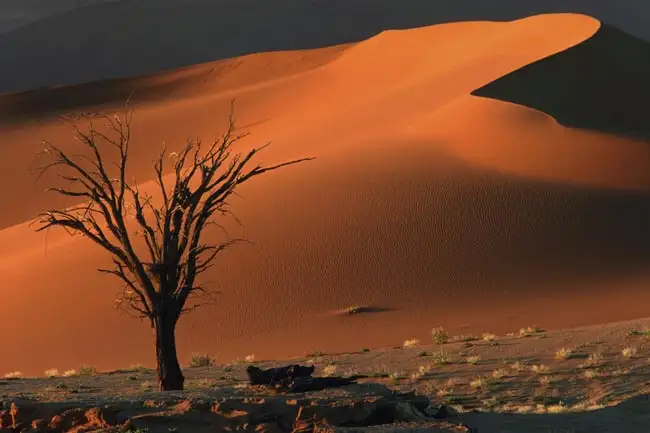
{"x": 295, "y": 378}
{"x": 259, "y": 376}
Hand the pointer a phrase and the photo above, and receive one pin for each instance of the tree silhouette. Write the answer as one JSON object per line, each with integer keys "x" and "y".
{"x": 160, "y": 277}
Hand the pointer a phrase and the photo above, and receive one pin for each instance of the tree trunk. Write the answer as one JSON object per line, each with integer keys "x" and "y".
{"x": 168, "y": 370}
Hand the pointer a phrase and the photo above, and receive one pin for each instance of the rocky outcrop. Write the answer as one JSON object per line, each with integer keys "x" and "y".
{"x": 275, "y": 414}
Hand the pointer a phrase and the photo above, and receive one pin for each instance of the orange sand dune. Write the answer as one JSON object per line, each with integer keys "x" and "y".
{"x": 432, "y": 205}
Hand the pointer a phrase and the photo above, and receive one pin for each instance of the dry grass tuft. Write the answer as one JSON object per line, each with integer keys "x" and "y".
{"x": 201, "y": 360}
{"x": 329, "y": 370}
{"x": 592, "y": 360}
{"x": 517, "y": 366}
{"x": 50, "y": 373}
{"x": 441, "y": 358}
{"x": 479, "y": 383}
{"x": 439, "y": 335}
{"x": 87, "y": 370}
{"x": 628, "y": 352}
{"x": 411, "y": 343}
{"x": 539, "y": 368}
{"x": 529, "y": 330}
{"x": 488, "y": 337}
{"x": 14, "y": 375}
{"x": 564, "y": 353}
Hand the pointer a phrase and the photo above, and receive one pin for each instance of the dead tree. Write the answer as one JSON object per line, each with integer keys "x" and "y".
{"x": 160, "y": 277}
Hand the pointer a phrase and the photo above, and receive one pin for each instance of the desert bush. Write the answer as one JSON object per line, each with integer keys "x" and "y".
{"x": 439, "y": 335}
{"x": 201, "y": 360}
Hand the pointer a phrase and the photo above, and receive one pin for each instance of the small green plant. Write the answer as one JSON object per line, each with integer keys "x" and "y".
{"x": 439, "y": 335}
{"x": 201, "y": 360}
{"x": 422, "y": 354}
{"x": 365, "y": 350}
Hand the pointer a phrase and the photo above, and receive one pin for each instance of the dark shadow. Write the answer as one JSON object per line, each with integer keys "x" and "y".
{"x": 129, "y": 38}
{"x": 600, "y": 84}
{"x": 355, "y": 311}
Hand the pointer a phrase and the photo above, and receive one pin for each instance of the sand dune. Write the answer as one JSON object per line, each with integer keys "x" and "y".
{"x": 120, "y": 38}
{"x": 434, "y": 206}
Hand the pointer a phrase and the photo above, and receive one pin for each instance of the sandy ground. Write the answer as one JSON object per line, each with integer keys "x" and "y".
{"x": 428, "y": 204}
{"x": 576, "y": 380}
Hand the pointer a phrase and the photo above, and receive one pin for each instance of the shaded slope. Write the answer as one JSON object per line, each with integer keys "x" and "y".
{"x": 225, "y": 75}
{"x": 128, "y": 38}
{"x": 600, "y": 84}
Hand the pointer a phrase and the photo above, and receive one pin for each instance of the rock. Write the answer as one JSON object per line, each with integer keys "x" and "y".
{"x": 193, "y": 405}
{"x": 68, "y": 419}
{"x": 102, "y": 416}
{"x": 38, "y": 426}
{"x": 19, "y": 427}
{"x": 22, "y": 412}
{"x": 444, "y": 412}
{"x": 407, "y": 412}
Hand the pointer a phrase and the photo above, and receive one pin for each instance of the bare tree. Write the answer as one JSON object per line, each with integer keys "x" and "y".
{"x": 160, "y": 277}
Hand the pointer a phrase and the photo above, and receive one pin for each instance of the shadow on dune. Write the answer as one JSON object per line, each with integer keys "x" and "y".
{"x": 129, "y": 38}
{"x": 600, "y": 84}
{"x": 353, "y": 311}
{"x": 630, "y": 416}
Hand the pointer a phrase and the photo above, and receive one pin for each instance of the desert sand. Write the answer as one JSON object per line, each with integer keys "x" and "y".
{"x": 429, "y": 204}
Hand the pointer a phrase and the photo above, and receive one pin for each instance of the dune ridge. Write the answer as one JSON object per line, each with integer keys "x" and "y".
{"x": 167, "y": 34}
{"x": 422, "y": 203}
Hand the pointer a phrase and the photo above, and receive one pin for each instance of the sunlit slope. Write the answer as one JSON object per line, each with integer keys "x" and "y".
{"x": 422, "y": 201}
